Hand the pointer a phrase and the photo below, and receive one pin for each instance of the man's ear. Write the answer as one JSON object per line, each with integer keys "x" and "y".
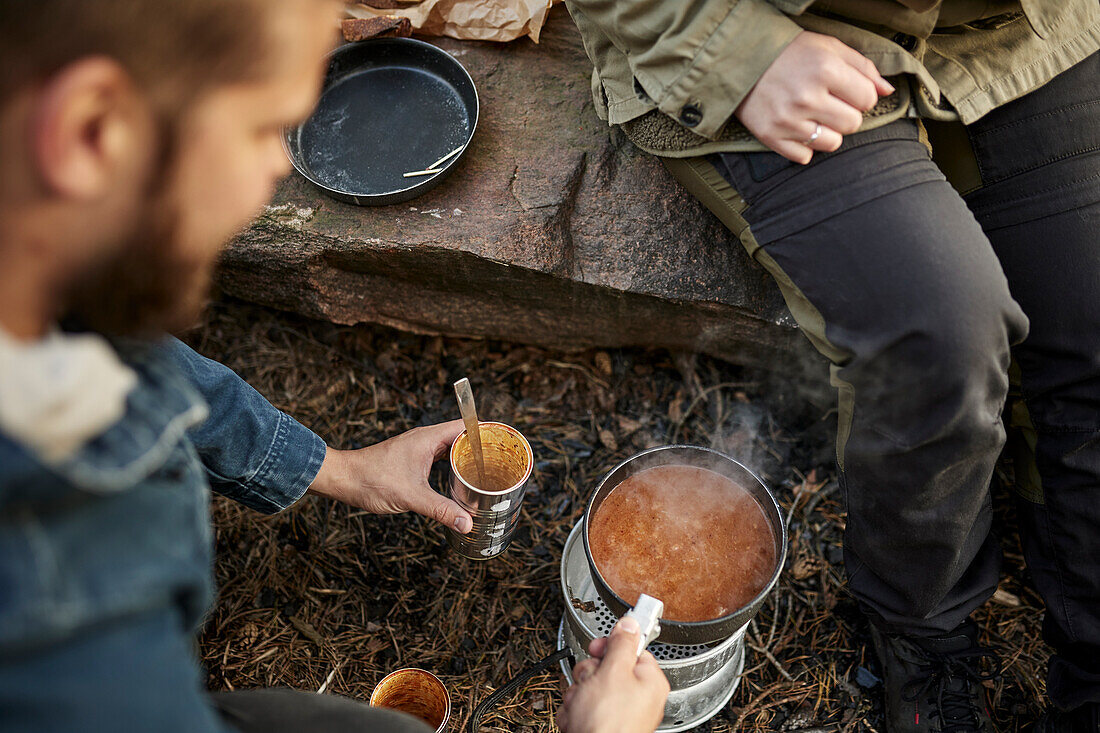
{"x": 89, "y": 127}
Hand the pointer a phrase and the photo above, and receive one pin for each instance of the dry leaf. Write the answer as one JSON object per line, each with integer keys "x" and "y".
{"x": 1005, "y": 598}
{"x": 305, "y": 628}
{"x": 607, "y": 438}
{"x": 675, "y": 410}
{"x": 373, "y": 646}
{"x": 603, "y": 363}
{"x": 806, "y": 566}
{"x": 628, "y": 425}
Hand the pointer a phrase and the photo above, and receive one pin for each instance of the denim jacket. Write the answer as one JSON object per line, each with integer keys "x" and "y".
{"x": 106, "y": 555}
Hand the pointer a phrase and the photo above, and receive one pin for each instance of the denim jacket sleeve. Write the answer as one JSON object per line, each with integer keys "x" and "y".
{"x": 252, "y": 452}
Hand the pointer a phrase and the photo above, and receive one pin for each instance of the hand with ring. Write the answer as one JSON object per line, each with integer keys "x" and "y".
{"x": 813, "y": 94}
{"x": 813, "y": 138}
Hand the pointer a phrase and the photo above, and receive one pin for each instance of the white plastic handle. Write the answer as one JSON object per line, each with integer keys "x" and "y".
{"x": 647, "y": 612}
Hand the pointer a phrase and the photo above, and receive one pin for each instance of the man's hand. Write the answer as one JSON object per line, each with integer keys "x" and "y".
{"x": 392, "y": 476}
{"x": 816, "y": 80}
{"x": 614, "y": 691}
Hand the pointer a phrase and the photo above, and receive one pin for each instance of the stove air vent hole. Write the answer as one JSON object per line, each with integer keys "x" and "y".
{"x": 605, "y": 621}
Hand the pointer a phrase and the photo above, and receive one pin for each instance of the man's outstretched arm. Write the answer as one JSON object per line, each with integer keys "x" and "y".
{"x": 252, "y": 452}
{"x": 267, "y": 460}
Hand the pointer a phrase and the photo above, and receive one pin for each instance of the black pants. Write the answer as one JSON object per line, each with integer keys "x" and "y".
{"x": 918, "y": 296}
{"x": 291, "y": 711}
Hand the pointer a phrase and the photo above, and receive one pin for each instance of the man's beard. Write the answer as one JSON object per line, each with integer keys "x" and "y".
{"x": 146, "y": 287}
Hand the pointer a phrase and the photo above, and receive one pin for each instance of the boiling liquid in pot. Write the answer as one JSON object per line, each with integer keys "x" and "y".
{"x": 689, "y": 536}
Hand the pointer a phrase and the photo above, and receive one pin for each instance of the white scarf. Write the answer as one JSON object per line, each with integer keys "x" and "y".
{"x": 61, "y": 391}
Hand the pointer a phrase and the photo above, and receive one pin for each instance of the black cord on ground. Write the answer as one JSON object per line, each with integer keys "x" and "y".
{"x": 514, "y": 684}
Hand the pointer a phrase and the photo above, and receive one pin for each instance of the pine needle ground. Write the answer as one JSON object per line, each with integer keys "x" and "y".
{"x": 324, "y": 597}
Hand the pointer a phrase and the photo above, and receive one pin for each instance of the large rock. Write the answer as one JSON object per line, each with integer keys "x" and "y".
{"x": 553, "y": 230}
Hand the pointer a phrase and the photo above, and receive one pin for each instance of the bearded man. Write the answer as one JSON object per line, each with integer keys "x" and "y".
{"x": 135, "y": 137}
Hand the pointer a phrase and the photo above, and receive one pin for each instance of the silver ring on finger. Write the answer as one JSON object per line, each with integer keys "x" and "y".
{"x": 813, "y": 138}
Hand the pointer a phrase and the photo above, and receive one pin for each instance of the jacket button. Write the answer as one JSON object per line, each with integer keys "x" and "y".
{"x": 905, "y": 41}
{"x": 691, "y": 115}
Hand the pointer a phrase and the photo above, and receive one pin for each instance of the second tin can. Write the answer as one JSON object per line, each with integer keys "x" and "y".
{"x": 495, "y": 502}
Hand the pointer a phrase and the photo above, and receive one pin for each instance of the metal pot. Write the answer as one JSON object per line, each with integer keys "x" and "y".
{"x": 702, "y": 677}
{"x": 690, "y": 632}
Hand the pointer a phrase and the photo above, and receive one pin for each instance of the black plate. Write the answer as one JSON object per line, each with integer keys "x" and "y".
{"x": 389, "y": 106}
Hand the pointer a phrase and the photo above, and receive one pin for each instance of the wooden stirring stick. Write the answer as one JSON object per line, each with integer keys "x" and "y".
{"x": 473, "y": 431}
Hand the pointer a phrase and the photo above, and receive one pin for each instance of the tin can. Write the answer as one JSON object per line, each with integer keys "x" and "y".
{"x": 494, "y": 505}
{"x": 417, "y": 692}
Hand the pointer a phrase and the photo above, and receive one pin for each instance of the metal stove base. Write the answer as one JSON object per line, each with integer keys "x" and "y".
{"x": 687, "y": 707}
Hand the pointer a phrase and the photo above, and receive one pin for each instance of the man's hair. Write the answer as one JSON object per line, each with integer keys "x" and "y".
{"x": 173, "y": 49}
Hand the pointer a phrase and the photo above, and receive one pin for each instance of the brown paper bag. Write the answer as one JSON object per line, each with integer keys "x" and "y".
{"x": 476, "y": 20}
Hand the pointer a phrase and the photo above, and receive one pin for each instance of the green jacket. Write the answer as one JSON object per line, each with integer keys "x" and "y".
{"x": 671, "y": 72}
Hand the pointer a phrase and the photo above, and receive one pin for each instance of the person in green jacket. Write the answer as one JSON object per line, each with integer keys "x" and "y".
{"x": 922, "y": 180}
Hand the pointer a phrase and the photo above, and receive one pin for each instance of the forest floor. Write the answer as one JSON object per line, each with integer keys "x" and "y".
{"x": 326, "y": 597}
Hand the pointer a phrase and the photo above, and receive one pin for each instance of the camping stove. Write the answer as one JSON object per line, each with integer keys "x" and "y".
{"x": 703, "y": 677}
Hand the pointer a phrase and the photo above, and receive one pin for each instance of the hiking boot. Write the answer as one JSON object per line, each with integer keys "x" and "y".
{"x": 934, "y": 684}
{"x": 1085, "y": 719}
